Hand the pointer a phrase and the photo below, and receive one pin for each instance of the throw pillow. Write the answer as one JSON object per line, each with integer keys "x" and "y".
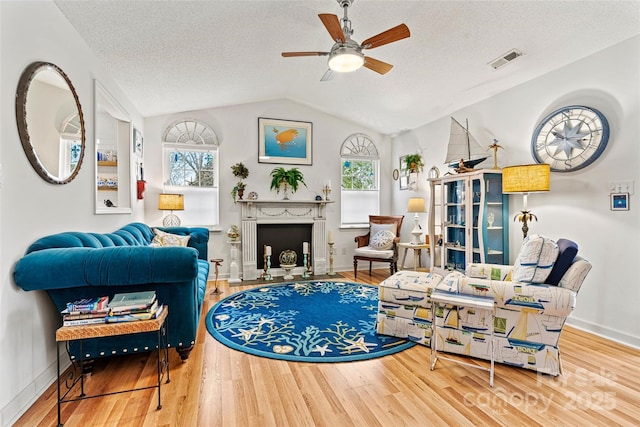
{"x": 568, "y": 251}
{"x": 375, "y": 228}
{"x": 162, "y": 238}
{"x": 535, "y": 259}
{"x": 382, "y": 240}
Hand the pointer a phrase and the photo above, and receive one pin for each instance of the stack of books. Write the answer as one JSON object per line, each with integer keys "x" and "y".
{"x": 123, "y": 307}
{"x": 127, "y": 307}
{"x": 86, "y": 311}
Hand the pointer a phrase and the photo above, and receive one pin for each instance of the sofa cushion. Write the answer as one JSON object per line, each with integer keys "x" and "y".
{"x": 535, "y": 259}
{"x": 575, "y": 275}
{"x": 568, "y": 251}
{"x": 375, "y": 228}
{"x": 162, "y": 238}
{"x": 382, "y": 240}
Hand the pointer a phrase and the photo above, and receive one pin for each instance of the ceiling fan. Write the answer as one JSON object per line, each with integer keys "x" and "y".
{"x": 347, "y": 55}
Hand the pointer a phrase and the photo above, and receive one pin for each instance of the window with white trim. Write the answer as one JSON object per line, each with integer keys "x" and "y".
{"x": 190, "y": 167}
{"x": 359, "y": 189}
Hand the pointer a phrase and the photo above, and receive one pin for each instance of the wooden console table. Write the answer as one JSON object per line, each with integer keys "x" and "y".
{"x": 80, "y": 333}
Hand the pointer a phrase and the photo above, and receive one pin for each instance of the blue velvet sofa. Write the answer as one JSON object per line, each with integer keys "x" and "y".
{"x": 74, "y": 265}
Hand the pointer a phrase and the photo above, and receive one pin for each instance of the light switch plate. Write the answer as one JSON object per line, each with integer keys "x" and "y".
{"x": 621, "y": 187}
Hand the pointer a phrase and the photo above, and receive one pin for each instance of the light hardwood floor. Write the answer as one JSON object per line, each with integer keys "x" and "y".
{"x": 218, "y": 386}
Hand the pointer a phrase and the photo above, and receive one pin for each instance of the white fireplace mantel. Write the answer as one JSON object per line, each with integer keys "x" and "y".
{"x": 256, "y": 212}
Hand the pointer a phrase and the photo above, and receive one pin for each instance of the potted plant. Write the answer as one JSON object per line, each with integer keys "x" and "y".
{"x": 414, "y": 163}
{"x": 240, "y": 171}
{"x": 286, "y": 178}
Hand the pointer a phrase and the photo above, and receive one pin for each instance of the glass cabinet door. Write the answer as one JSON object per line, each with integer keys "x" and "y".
{"x": 454, "y": 228}
{"x": 494, "y": 231}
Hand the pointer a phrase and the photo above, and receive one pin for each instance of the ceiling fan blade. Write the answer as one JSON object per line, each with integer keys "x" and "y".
{"x": 290, "y": 54}
{"x": 391, "y": 35}
{"x": 332, "y": 24}
{"x": 328, "y": 75}
{"x": 377, "y": 65}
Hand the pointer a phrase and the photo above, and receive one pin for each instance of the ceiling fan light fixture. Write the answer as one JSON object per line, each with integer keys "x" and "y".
{"x": 345, "y": 60}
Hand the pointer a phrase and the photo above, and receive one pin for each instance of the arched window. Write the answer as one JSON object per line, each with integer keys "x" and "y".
{"x": 359, "y": 189}
{"x": 190, "y": 167}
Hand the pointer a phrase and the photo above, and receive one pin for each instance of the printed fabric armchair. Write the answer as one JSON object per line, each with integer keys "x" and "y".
{"x": 533, "y": 299}
{"x": 380, "y": 244}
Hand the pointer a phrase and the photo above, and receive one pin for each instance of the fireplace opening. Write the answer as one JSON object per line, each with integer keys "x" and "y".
{"x": 282, "y": 237}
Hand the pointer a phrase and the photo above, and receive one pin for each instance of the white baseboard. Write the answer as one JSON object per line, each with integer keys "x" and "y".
{"x": 13, "y": 410}
{"x": 604, "y": 332}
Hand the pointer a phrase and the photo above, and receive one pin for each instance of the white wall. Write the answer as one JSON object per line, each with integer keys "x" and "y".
{"x": 237, "y": 130}
{"x": 577, "y": 207}
{"x": 31, "y": 208}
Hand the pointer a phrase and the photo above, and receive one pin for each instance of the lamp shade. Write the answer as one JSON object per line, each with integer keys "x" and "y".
{"x": 525, "y": 178}
{"x": 171, "y": 202}
{"x": 416, "y": 204}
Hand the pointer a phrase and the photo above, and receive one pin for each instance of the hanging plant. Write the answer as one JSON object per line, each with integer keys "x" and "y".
{"x": 413, "y": 162}
{"x": 239, "y": 170}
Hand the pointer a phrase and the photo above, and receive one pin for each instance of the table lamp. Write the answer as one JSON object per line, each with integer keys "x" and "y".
{"x": 416, "y": 205}
{"x": 171, "y": 202}
{"x": 525, "y": 179}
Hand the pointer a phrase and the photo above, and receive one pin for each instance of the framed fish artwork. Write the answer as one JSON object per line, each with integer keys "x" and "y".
{"x": 284, "y": 141}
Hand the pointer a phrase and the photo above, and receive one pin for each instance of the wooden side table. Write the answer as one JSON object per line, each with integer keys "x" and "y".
{"x": 80, "y": 333}
{"x": 417, "y": 250}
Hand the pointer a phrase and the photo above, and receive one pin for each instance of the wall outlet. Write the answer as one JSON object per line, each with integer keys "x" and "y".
{"x": 621, "y": 187}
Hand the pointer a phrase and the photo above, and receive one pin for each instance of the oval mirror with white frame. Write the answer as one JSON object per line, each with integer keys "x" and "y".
{"x": 113, "y": 159}
{"x": 50, "y": 122}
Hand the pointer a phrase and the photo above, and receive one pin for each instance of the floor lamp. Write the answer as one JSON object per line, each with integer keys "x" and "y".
{"x": 171, "y": 202}
{"x": 416, "y": 205}
{"x": 525, "y": 179}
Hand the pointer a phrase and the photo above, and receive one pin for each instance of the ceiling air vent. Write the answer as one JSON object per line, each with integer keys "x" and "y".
{"x": 504, "y": 59}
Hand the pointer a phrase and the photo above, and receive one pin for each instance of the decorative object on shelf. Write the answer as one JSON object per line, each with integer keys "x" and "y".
{"x": 318, "y": 198}
{"x": 137, "y": 143}
{"x": 463, "y": 151}
{"x": 216, "y": 262}
{"x": 241, "y": 172}
{"x": 416, "y": 205}
{"x": 413, "y": 163}
{"x": 266, "y": 253}
{"x": 326, "y": 189}
{"x": 233, "y": 233}
{"x": 171, "y": 202}
{"x": 252, "y": 196}
{"x": 491, "y": 217}
{"x": 570, "y": 138}
{"x": 288, "y": 260}
{"x": 495, "y": 147}
{"x": 108, "y": 203}
{"x": 285, "y": 179}
{"x": 525, "y": 179}
{"x": 284, "y": 141}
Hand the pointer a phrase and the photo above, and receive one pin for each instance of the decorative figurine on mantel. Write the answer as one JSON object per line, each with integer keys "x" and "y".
{"x": 495, "y": 147}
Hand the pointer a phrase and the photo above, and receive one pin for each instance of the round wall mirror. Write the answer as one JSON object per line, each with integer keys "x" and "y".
{"x": 50, "y": 122}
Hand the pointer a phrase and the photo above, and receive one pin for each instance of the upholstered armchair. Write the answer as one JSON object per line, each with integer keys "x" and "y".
{"x": 380, "y": 244}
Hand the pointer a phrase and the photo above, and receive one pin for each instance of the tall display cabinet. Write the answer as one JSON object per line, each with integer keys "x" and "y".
{"x": 468, "y": 220}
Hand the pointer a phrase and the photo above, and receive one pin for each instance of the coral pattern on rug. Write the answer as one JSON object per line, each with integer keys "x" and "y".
{"x": 316, "y": 321}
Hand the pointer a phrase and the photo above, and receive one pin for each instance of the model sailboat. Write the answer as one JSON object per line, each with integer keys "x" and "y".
{"x": 463, "y": 152}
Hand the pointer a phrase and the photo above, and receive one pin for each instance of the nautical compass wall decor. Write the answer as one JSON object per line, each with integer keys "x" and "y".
{"x": 570, "y": 138}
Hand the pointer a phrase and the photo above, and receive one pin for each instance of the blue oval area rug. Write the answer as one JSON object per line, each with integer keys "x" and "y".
{"x": 304, "y": 321}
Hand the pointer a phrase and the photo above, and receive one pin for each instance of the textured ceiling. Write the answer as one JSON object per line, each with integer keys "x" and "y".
{"x": 173, "y": 56}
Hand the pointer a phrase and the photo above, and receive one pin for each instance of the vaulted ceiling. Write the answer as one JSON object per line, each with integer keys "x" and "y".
{"x": 173, "y": 56}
